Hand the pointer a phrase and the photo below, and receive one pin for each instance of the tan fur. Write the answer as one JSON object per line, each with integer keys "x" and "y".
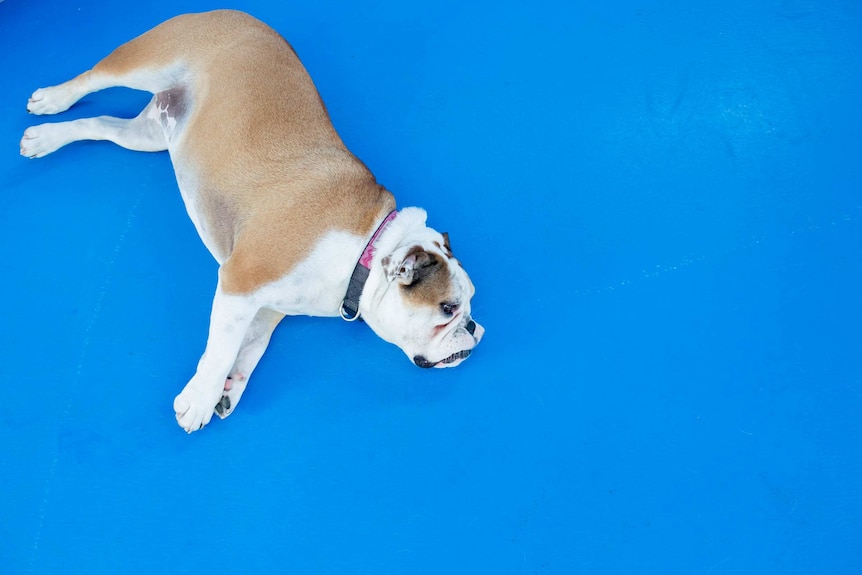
{"x": 262, "y": 141}
{"x": 431, "y": 283}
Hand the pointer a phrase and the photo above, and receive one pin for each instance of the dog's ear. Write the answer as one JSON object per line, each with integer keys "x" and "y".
{"x": 446, "y": 242}
{"x": 408, "y": 267}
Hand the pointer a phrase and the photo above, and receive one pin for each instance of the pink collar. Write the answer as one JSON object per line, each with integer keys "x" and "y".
{"x": 368, "y": 253}
{"x": 350, "y": 305}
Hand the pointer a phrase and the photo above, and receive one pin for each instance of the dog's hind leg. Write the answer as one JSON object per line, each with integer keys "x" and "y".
{"x": 143, "y": 133}
{"x": 149, "y": 62}
{"x": 56, "y": 99}
{"x": 105, "y": 74}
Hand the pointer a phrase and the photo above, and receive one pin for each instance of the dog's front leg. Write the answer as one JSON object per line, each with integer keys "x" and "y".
{"x": 229, "y": 322}
{"x": 255, "y": 343}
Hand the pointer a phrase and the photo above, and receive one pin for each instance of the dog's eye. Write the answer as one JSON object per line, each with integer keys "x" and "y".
{"x": 448, "y": 308}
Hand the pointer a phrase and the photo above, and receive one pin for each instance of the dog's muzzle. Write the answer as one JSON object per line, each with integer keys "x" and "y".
{"x": 422, "y": 361}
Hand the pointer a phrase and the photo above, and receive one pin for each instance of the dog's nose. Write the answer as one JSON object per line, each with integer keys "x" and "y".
{"x": 474, "y": 329}
{"x": 471, "y": 327}
{"x": 422, "y": 361}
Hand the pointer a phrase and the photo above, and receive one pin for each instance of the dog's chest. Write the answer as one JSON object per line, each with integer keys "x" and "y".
{"x": 316, "y": 286}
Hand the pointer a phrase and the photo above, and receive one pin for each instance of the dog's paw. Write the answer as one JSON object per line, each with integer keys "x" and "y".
{"x": 193, "y": 409}
{"x": 234, "y": 386}
{"x": 39, "y": 141}
{"x": 49, "y": 101}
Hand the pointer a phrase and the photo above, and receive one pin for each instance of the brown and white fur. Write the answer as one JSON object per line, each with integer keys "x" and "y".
{"x": 274, "y": 194}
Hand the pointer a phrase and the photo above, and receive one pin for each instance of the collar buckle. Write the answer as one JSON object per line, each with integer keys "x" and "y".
{"x": 348, "y": 314}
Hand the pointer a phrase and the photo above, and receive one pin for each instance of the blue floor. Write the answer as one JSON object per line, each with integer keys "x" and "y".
{"x": 660, "y": 204}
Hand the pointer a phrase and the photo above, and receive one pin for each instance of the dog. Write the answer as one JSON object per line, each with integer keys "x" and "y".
{"x": 297, "y": 224}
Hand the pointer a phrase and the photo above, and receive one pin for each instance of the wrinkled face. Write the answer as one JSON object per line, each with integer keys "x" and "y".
{"x": 425, "y": 306}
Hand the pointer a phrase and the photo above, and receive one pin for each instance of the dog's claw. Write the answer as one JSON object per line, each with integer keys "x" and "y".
{"x": 222, "y": 408}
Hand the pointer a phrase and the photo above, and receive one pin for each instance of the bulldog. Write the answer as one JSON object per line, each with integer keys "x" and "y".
{"x": 297, "y": 224}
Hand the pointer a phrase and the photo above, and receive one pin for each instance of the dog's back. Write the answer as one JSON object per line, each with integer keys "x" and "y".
{"x": 249, "y": 134}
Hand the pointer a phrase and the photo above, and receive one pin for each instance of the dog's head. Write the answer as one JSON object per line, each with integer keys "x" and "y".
{"x": 420, "y": 295}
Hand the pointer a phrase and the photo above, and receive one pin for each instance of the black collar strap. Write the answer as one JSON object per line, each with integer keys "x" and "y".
{"x": 350, "y": 305}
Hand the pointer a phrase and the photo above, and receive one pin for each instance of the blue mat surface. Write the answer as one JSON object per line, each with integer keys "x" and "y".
{"x": 660, "y": 204}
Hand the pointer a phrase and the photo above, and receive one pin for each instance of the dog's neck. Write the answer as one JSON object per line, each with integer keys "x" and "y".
{"x": 405, "y": 228}
{"x": 409, "y": 220}
{"x": 350, "y": 305}
{"x": 368, "y": 283}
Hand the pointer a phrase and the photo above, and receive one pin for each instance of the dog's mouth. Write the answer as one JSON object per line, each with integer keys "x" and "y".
{"x": 463, "y": 354}
{"x": 422, "y": 361}
{"x": 472, "y": 328}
